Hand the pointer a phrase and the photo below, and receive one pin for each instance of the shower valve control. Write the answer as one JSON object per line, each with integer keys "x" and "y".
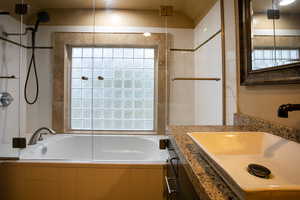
{"x": 5, "y": 99}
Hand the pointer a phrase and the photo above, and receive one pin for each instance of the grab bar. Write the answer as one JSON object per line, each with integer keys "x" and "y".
{"x": 8, "y": 77}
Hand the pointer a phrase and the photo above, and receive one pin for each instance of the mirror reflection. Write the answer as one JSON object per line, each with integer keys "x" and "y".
{"x": 275, "y": 26}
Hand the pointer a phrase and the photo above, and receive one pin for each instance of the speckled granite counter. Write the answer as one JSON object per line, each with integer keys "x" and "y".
{"x": 207, "y": 183}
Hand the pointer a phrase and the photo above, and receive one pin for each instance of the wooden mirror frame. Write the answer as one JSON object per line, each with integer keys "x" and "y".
{"x": 284, "y": 74}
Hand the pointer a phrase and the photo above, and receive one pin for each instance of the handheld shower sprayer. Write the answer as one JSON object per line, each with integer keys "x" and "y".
{"x": 42, "y": 17}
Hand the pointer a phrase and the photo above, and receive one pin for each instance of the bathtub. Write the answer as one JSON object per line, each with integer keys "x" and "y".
{"x": 106, "y": 167}
{"x": 98, "y": 149}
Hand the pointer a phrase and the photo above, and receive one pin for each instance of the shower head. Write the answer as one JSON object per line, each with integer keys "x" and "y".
{"x": 42, "y": 17}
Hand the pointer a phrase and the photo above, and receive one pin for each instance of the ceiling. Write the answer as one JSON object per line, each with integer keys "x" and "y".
{"x": 194, "y": 9}
{"x": 260, "y": 6}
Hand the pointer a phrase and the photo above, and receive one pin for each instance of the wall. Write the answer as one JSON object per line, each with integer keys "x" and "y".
{"x": 11, "y": 58}
{"x": 208, "y": 63}
{"x": 40, "y": 114}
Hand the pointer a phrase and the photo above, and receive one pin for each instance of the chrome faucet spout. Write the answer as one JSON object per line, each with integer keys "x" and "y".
{"x": 37, "y": 135}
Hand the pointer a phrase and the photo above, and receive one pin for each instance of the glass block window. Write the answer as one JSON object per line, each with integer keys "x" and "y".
{"x": 123, "y": 100}
{"x": 263, "y": 58}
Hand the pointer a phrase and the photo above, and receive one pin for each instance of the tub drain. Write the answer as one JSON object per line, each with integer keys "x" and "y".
{"x": 259, "y": 171}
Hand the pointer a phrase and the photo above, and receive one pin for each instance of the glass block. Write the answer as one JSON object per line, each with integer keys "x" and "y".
{"x": 138, "y": 53}
{"x": 128, "y": 75}
{"x": 128, "y": 63}
{"x": 149, "y": 74}
{"x": 149, "y": 53}
{"x": 76, "y": 83}
{"x": 118, "y": 84}
{"x": 107, "y": 83}
{"x": 138, "y": 84}
{"x": 86, "y": 113}
{"x": 148, "y": 114}
{"x": 87, "y": 63}
{"x": 86, "y": 83}
{"x": 76, "y": 93}
{"x": 128, "y": 53}
{"x": 118, "y": 75}
{"x": 108, "y": 93}
{"x": 108, "y": 124}
{"x": 278, "y": 54}
{"x": 97, "y": 72}
{"x": 76, "y": 103}
{"x": 86, "y": 93}
{"x": 148, "y": 103}
{"x": 107, "y": 62}
{"x": 118, "y": 94}
{"x": 108, "y": 114}
{"x": 118, "y": 63}
{"x": 148, "y": 63}
{"x": 139, "y": 124}
{"x": 285, "y": 54}
{"x": 98, "y": 83}
{"x": 128, "y": 93}
{"x": 98, "y": 124}
{"x": 99, "y": 114}
{"x": 76, "y": 123}
{"x": 268, "y": 54}
{"x": 87, "y": 52}
{"x": 76, "y": 73}
{"x": 295, "y": 54}
{"x": 148, "y": 93}
{"x": 128, "y": 114}
{"x": 148, "y": 84}
{"x": 118, "y": 53}
{"x": 117, "y": 124}
{"x": 76, "y": 113}
{"x": 108, "y": 74}
{"x": 98, "y": 103}
{"x": 98, "y": 93}
{"x": 107, "y": 52}
{"x": 138, "y": 104}
{"x": 139, "y": 74}
{"x": 108, "y": 103}
{"x": 259, "y": 54}
{"x": 86, "y": 103}
{"x": 76, "y": 63}
{"x": 128, "y": 84}
{"x": 87, "y": 72}
{"x": 76, "y": 52}
{"x": 117, "y": 103}
{"x": 138, "y": 63}
{"x": 138, "y": 93}
{"x": 98, "y": 52}
{"x": 98, "y": 63}
{"x": 117, "y": 114}
{"x": 149, "y": 125}
{"x": 87, "y": 124}
{"x": 128, "y": 104}
{"x": 139, "y": 114}
{"x": 128, "y": 124}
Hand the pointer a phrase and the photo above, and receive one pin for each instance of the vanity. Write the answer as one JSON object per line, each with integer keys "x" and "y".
{"x": 217, "y": 160}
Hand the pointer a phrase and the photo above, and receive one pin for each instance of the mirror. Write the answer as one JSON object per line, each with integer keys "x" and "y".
{"x": 270, "y": 41}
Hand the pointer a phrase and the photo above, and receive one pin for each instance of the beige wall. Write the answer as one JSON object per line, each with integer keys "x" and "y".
{"x": 263, "y": 102}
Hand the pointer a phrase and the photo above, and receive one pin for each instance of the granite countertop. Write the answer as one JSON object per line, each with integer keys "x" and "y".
{"x": 207, "y": 183}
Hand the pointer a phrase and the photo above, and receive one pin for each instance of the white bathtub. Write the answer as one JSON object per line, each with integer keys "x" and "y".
{"x": 131, "y": 149}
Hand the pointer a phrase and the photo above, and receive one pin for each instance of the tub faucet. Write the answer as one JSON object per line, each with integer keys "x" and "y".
{"x": 283, "y": 110}
{"x": 38, "y": 135}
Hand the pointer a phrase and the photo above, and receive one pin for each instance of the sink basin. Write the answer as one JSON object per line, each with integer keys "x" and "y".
{"x": 230, "y": 153}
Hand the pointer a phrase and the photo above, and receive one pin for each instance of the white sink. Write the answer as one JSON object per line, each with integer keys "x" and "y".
{"x": 230, "y": 153}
